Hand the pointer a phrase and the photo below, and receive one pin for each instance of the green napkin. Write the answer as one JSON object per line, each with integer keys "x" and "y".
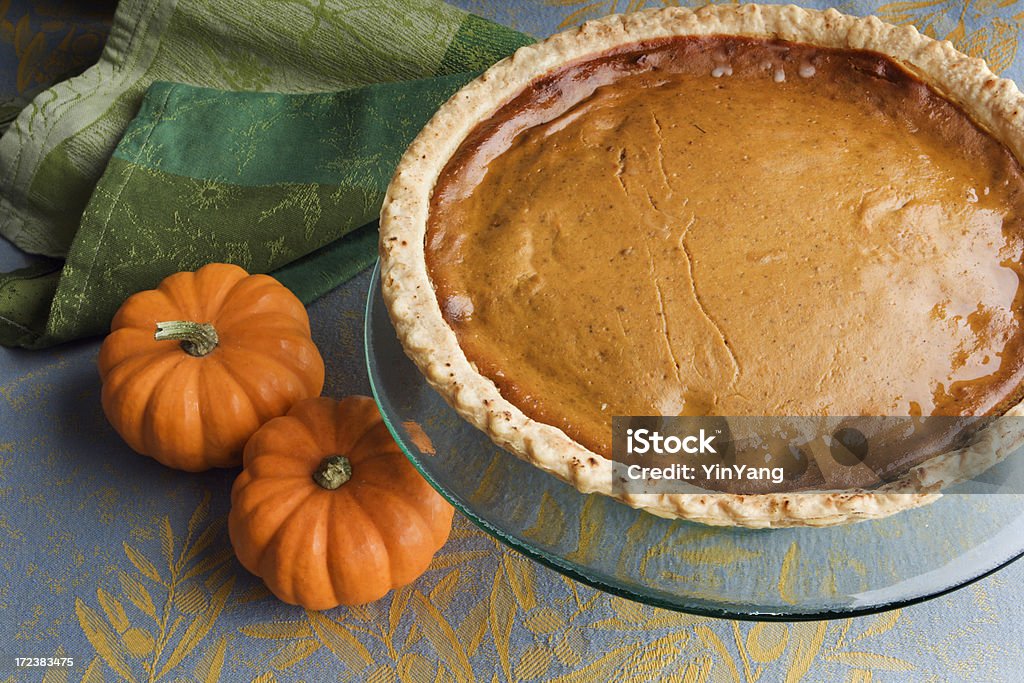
{"x": 283, "y": 183}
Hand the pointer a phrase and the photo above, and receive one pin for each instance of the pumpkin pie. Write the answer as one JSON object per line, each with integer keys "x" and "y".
{"x": 751, "y": 210}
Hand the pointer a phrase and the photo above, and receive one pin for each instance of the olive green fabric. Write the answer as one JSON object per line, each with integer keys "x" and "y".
{"x": 281, "y": 183}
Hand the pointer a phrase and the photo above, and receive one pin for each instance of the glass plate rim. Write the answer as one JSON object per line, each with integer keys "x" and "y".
{"x": 701, "y": 609}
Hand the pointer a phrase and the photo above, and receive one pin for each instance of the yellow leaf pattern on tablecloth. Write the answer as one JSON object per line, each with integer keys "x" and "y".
{"x": 93, "y": 672}
{"x": 159, "y": 596}
{"x": 192, "y": 590}
{"x": 767, "y": 641}
{"x": 341, "y": 642}
{"x": 993, "y": 35}
{"x": 103, "y": 639}
{"x": 209, "y": 666}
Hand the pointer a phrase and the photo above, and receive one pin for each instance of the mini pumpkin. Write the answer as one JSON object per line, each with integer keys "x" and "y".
{"x": 327, "y": 509}
{"x": 192, "y": 368}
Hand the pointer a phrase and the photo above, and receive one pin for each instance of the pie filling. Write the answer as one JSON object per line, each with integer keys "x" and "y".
{"x": 732, "y": 226}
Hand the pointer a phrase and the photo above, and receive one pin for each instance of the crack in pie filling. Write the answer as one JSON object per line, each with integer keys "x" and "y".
{"x": 705, "y": 223}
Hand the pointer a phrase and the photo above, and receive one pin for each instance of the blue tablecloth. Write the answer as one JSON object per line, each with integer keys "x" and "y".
{"x": 124, "y": 566}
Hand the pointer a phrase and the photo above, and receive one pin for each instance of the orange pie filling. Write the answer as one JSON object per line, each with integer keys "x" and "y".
{"x": 733, "y": 226}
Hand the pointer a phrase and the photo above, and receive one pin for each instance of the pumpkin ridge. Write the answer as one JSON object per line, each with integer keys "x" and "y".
{"x": 180, "y": 288}
{"x": 229, "y": 382}
{"x": 236, "y": 416}
{"x": 365, "y": 484}
{"x": 142, "y": 309}
{"x": 329, "y": 542}
{"x": 265, "y": 322}
{"x": 318, "y": 418}
{"x": 378, "y": 446}
{"x": 290, "y": 542}
{"x": 126, "y": 377}
{"x": 395, "y": 510}
{"x": 370, "y": 445}
{"x": 390, "y": 467}
{"x": 352, "y": 419}
{"x": 295, "y": 352}
{"x": 347, "y": 508}
{"x": 208, "y": 280}
{"x": 143, "y": 358}
{"x": 261, "y": 294}
{"x": 124, "y": 345}
{"x": 138, "y": 362}
{"x": 269, "y": 396}
{"x": 412, "y": 477}
{"x": 240, "y": 483}
{"x": 175, "y": 380}
{"x": 248, "y": 358}
{"x": 284, "y": 465}
{"x": 299, "y": 502}
{"x": 269, "y": 488}
{"x": 258, "y": 492}
{"x": 282, "y": 441}
{"x": 275, "y": 439}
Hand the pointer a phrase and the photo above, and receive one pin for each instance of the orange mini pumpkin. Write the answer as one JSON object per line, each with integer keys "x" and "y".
{"x": 327, "y": 509}
{"x": 192, "y": 368}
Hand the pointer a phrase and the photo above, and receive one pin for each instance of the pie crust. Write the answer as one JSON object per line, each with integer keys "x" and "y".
{"x": 993, "y": 103}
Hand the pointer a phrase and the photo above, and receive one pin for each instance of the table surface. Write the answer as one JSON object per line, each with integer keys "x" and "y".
{"x": 125, "y": 566}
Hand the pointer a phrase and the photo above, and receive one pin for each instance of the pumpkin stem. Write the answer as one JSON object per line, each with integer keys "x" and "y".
{"x": 197, "y": 339}
{"x": 334, "y": 471}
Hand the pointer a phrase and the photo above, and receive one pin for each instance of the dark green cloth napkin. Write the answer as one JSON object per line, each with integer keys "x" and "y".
{"x": 284, "y": 183}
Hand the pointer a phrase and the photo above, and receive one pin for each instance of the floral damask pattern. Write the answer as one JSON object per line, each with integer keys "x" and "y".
{"x": 126, "y": 567}
{"x": 43, "y": 42}
{"x": 158, "y": 616}
{"x": 191, "y": 579}
{"x": 980, "y": 28}
{"x": 989, "y": 29}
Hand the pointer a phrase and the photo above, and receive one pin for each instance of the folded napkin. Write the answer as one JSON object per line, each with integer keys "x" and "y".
{"x": 119, "y": 177}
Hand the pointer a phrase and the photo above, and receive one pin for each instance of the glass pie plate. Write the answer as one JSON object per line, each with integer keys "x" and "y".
{"x": 781, "y": 574}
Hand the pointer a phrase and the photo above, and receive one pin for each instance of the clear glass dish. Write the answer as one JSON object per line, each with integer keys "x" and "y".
{"x": 777, "y": 574}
